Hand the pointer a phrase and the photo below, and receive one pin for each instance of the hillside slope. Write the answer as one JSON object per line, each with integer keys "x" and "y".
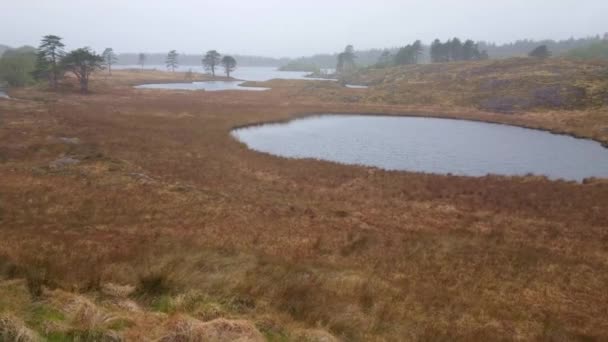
{"x": 517, "y": 84}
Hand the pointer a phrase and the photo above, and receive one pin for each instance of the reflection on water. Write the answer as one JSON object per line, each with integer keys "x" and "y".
{"x": 430, "y": 145}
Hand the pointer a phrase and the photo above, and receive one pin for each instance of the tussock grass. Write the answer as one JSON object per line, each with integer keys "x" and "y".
{"x": 13, "y": 329}
{"x": 187, "y": 329}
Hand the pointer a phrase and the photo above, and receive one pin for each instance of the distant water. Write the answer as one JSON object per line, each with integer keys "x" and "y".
{"x": 4, "y": 95}
{"x": 259, "y": 74}
{"x": 353, "y": 86}
{"x": 208, "y": 86}
{"x": 430, "y": 145}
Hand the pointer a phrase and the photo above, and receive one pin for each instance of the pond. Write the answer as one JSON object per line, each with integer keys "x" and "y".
{"x": 208, "y": 86}
{"x": 258, "y": 74}
{"x": 355, "y": 86}
{"x": 430, "y": 145}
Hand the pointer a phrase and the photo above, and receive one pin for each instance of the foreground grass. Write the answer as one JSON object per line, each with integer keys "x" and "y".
{"x": 168, "y": 229}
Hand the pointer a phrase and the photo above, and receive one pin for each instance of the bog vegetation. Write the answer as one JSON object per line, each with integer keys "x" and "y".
{"x": 133, "y": 215}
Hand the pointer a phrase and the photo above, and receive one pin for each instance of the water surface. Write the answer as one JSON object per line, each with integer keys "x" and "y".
{"x": 430, "y": 145}
{"x": 258, "y": 74}
{"x": 4, "y": 95}
{"x": 208, "y": 86}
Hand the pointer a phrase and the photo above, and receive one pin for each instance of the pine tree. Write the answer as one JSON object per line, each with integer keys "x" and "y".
{"x": 211, "y": 60}
{"x": 456, "y": 52}
{"x": 229, "y": 64}
{"x": 109, "y": 58}
{"x": 436, "y": 51}
{"x": 141, "y": 59}
{"x": 48, "y": 59}
{"x": 172, "y": 60}
{"x": 82, "y": 63}
{"x": 346, "y": 59}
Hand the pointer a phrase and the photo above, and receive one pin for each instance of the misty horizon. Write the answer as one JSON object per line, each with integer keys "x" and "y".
{"x": 272, "y": 28}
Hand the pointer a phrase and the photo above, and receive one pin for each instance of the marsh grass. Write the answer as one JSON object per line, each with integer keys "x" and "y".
{"x": 170, "y": 224}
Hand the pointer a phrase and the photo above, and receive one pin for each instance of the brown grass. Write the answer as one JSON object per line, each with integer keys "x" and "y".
{"x": 163, "y": 195}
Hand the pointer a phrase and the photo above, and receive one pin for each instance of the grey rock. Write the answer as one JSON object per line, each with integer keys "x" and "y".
{"x": 71, "y": 141}
{"x": 63, "y": 162}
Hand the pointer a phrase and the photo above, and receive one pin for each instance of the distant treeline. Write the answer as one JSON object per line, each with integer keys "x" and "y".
{"x": 590, "y": 47}
{"x": 196, "y": 60}
{"x": 494, "y": 51}
{"x": 597, "y": 50}
{"x": 523, "y": 47}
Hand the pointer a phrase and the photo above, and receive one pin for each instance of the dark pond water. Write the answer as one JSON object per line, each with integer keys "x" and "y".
{"x": 430, "y": 145}
{"x": 208, "y": 86}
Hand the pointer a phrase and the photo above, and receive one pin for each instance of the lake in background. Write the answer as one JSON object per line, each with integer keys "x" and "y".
{"x": 207, "y": 86}
{"x": 259, "y": 74}
{"x": 430, "y": 145}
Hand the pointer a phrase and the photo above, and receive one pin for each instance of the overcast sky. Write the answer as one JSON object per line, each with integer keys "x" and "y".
{"x": 291, "y": 28}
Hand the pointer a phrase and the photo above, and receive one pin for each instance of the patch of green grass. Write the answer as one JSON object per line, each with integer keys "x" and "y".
{"x": 162, "y": 304}
{"x": 120, "y": 324}
{"x": 40, "y": 313}
{"x": 275, "y": 336}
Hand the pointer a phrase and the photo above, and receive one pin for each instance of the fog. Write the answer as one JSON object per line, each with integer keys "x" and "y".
{"x": 291, "y": 28}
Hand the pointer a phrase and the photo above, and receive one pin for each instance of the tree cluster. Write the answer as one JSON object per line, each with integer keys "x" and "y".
{"x": 213, "y": 58}
{"x": 455, "y": 50}
{"x": 409, "y": 54}
{"x": 52, "y": 62}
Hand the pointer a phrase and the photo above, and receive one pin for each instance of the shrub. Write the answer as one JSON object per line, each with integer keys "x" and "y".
{"x": 16, "y": 67}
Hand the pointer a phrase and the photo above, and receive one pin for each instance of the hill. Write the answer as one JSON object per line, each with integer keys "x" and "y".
{"x": 519, "y": 48}
{"x": 510, "y": 85}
